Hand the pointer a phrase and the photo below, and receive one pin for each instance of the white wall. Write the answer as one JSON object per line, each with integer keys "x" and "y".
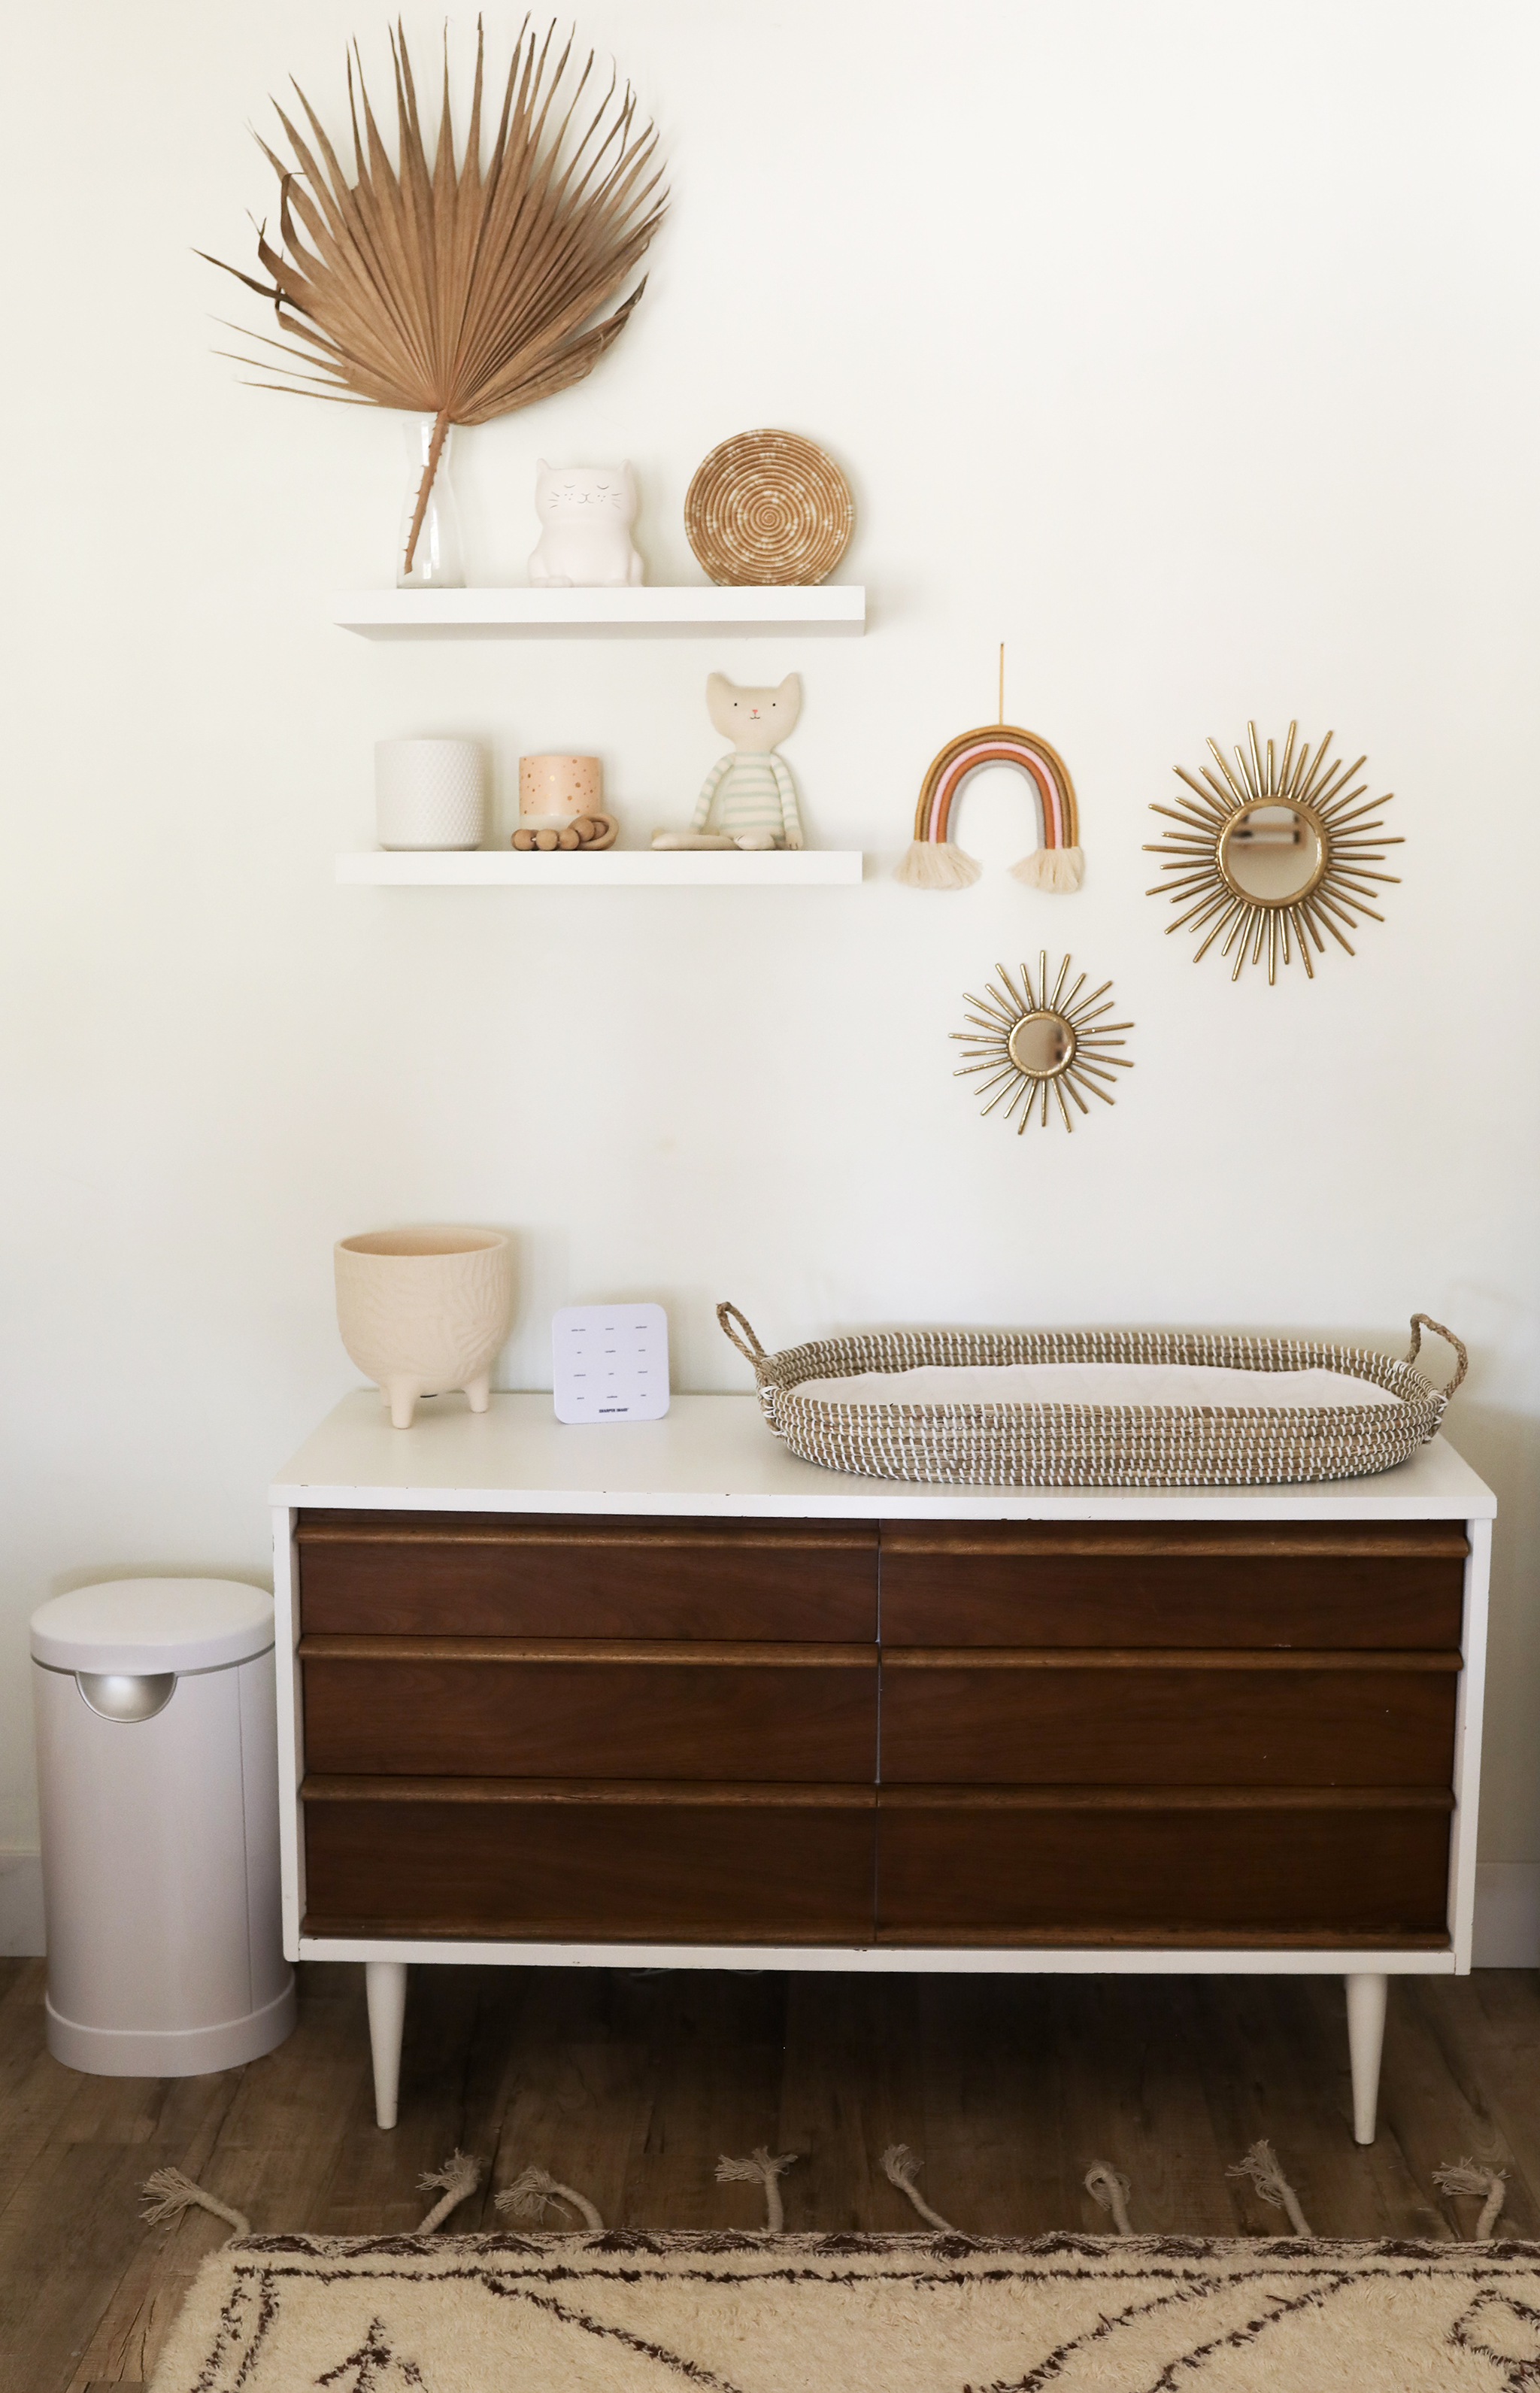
{"x": 1190, "y": 350}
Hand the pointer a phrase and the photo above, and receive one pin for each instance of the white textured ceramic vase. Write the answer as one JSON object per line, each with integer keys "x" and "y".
{"x": 429, "y": 792}
{"x": 421, "y": 1311}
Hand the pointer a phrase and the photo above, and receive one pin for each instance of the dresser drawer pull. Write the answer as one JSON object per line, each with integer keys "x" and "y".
{"x": 1101, "y": 1657}
{"x": 661, "y": 1794}
{"x": 644, "y": 1653}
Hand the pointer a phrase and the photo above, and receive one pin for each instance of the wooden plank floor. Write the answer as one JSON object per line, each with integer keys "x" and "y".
{"x": 630, "y": 2085}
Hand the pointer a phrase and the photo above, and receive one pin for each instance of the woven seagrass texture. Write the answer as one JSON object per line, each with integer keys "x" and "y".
{"x": 768, "y": 507}
{"x": 1095, "y": 1446}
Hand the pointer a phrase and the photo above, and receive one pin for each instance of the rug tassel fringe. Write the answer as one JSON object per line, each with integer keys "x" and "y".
{"x": 1110, "y": 2190}
{"x": 1466, "y": 2176}
{"x": 762, "y": 2167}
{"x": 1260, "y": 2165}
{"x": 900, "y": 2167}
{"x": 458, "y": 2178}
{"x": 530, "y": 2196}
{"x": 169, "y": 2193}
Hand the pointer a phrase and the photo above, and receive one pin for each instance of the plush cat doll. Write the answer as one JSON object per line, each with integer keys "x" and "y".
{"x": 586, "y": 512}
{"x": 749, "y": 796}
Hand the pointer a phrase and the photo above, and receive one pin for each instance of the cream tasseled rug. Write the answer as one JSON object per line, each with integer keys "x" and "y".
{"x": 631, "y": 2313}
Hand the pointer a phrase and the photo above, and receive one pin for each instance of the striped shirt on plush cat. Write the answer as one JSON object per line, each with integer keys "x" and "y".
{"x": 750, "y": 796}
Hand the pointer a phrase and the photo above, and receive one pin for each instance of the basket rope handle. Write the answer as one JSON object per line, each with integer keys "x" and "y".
{"x": 753, "y": 1350}
{"x": 1421, "y": 1321}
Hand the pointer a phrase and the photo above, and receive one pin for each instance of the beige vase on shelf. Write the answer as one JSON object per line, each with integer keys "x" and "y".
{"x": 424, "y": 1310}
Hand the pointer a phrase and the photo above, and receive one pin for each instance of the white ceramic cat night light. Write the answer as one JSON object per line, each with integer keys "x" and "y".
{"x": 586, "y": 512}
{"x": 749, "y": 798}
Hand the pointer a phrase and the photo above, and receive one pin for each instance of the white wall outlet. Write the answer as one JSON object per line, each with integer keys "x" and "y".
{"x": 611, "y": 1362}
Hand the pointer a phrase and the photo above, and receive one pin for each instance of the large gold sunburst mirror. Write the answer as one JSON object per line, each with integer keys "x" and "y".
{"x": 1270, "y": 854}
{"x": 1029, "y": 1042}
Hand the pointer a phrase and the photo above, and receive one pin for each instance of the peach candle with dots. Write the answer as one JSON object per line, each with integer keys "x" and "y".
{"x": 554, "y": 790}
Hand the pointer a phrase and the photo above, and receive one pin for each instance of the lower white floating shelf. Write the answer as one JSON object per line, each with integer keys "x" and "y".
{"x": 612, "y": 867}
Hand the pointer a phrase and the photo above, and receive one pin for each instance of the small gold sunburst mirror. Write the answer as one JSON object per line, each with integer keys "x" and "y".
{"x": 1270, "y": 856}
{"x": 1028, "y": 1042}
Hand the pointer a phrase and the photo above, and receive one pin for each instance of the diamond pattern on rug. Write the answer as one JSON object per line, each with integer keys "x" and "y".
{"x": 374, "y": 2366}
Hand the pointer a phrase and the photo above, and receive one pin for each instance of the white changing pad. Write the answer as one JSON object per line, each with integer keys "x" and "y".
{"x": 1095, "y": 1384}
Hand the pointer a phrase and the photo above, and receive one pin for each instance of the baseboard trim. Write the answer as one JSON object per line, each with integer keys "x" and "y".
{"x": 1507, "y": 1928}
{"x": 20, "y": 1904}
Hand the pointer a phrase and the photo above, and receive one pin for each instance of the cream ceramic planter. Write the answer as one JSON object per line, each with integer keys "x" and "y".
{"x": 422, "y": 1310}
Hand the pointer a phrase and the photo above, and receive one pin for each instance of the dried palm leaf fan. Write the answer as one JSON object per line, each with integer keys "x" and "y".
{"x": 449, "y": 289}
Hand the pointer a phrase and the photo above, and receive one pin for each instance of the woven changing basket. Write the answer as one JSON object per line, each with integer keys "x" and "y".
{"x": 1094, "y": 1446}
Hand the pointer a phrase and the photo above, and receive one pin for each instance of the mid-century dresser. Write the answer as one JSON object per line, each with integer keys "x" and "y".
{"x": 659, "y": 1692}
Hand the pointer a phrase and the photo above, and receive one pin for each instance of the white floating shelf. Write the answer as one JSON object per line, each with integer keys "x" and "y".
{"x": 612, "y": 867}
{"x": 506, "y": 614}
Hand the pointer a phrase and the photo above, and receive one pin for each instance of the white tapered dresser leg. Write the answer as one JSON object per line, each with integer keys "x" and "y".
{"x": 385, "y": 1985}
{"x": 1366, "y": 1992}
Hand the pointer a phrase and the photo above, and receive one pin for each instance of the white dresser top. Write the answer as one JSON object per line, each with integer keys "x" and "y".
{"x": 714, "y": 1455}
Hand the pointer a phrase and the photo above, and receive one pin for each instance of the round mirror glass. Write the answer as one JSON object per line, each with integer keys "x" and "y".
{"x": 1041, "y": 1044}
{"x": 1272, "y": 853}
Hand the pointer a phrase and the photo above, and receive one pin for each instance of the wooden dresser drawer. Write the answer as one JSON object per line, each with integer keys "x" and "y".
{"x": 1379, "y": 1585}
{"x": 1194, "y": 1867}
{"x": 505, "y": 1575}
{"x": 705, "y": 1864}
{"x": 1227, "y": 1719}
{"x": 529, "y": 1708}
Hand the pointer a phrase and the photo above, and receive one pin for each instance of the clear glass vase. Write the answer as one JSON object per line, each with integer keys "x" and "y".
{"x": 437, "y": 560}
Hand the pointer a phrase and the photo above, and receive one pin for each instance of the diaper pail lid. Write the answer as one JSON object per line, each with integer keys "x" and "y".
{"x": 145, "y": 1624}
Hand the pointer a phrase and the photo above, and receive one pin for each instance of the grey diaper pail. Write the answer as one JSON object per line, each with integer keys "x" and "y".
{"x": 157, "y": 1764}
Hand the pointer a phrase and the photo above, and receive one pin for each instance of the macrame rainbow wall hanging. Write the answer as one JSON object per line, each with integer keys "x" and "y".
{"x": 934, "y": 861}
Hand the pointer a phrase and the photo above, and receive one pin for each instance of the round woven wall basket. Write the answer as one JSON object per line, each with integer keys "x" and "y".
{"x": 769, "y": 507}
{"x": 974, "y": 1445}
